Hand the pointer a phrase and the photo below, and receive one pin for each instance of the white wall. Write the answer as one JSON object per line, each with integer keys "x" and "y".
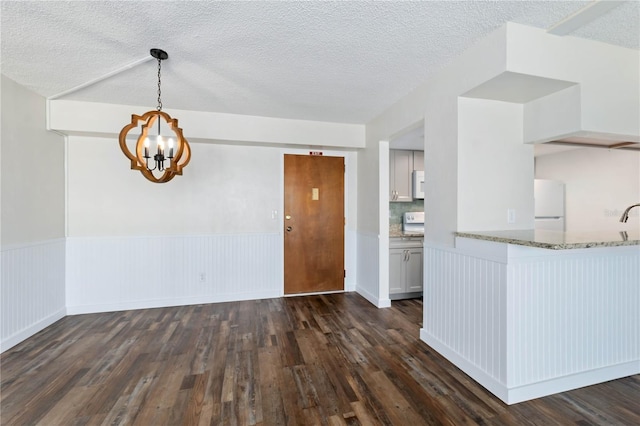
{"x": 213, "y": 234}
{"x": 32, "y": 288}
{"x": 224, "y": 189}
{"x": 553, "y": 116}
{"x": 600, "y": 184}
{"x": 32, "y": 169}
{"x": 77, "y": 117}
{"x": 493, "y": 162}
{"x": 609, "y": 76}
{"x": 436, "y": 104}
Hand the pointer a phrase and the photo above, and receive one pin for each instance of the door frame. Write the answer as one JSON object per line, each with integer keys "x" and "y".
{"x": 384, "y": 145}
{"x": 350, "y": 200}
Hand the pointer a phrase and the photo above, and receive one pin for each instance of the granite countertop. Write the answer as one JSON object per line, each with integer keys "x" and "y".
{"x": 557, "y": 240}
{"x": 402, "y": 234}
{"x": 395, "y": 231}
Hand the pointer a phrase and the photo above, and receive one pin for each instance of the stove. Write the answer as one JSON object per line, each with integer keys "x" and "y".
{"x": 413, "y": 222}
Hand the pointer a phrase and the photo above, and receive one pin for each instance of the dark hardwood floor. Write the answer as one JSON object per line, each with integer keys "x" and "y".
{"x": 331, "y": 359}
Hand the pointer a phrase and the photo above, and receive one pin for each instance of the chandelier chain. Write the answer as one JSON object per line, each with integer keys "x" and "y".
{"x": 159, "y": 107}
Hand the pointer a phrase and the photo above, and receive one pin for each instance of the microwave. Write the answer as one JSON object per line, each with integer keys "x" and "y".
{"x": 418, "y": 184}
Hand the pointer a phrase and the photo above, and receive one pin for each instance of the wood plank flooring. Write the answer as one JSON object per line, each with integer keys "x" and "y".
{"x": 312, "y": 360}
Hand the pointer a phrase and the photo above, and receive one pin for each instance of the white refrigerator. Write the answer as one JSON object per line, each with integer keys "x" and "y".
{"x": 549, "y": 204}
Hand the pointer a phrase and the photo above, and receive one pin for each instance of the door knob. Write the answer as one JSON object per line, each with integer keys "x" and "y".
{"x": 288, "y": 217}
{"x": 289, "y": 229}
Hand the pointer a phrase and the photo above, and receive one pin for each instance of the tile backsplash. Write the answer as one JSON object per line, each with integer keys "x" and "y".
{"x": 396, "y": 210}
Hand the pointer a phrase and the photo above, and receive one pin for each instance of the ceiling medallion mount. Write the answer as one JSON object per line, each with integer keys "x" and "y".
{"x": 156, "y": 127}
{"x": 159, "y": 54}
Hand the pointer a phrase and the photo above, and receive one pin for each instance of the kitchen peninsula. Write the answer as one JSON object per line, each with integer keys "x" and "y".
{"x": 531, "y": 313}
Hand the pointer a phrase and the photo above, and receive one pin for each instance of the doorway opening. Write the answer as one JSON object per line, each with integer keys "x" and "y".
{"x": 401, "y": 271}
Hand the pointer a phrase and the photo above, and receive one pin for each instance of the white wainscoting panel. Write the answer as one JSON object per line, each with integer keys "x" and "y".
{"x": 368, "y": 266}
{"x": 536, "y": 322}
{"x": 119, "y": 273}
{"x": 571, "y": 314}
{"x": 464, "y": 308}
{"x": 32, "y": 290}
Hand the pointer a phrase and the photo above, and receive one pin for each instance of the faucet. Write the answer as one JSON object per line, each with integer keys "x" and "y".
{"x": 625, "y": 215}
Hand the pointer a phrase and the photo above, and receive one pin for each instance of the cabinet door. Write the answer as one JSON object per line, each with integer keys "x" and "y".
{"x": 418, "y": 160}
{"x": 402, "y": 171}
{"x": 396, "y": 270}
{"x": 392, "y": 175}
{"x": 414, "y": 270}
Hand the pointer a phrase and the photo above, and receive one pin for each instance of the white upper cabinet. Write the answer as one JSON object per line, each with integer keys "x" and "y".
{"x": 418, "y": 160}
{"x": 402, "y": 163}
{"x": 400, "y": 170}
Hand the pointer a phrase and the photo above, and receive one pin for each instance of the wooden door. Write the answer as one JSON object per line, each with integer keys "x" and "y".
{"x": 313, "y": 224}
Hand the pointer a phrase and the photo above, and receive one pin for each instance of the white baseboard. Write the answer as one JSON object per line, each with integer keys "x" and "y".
{"x": 349, "y": 287}
{"x": 25, "y": 333}
{"x": 377, "y": 302}
{"x": 314, "y": 293}
{"x": 163, "y": 303}
{"x": 572, "y": 381}
{"x": 532, "y": 390}
{"x": 492, "y": 385}
{"x": 384, "y": 303}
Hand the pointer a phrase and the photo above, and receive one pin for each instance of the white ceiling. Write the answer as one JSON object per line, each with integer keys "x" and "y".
{"x": 328, "y": 61}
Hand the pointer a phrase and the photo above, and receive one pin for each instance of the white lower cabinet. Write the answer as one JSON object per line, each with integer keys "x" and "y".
{"x": 405, "y": 268}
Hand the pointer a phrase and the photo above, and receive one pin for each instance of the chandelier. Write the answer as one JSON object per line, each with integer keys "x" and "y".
{"x": 155, "y": 154}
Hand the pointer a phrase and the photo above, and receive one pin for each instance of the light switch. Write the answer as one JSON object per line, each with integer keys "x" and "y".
{"x": 315, "y": 194}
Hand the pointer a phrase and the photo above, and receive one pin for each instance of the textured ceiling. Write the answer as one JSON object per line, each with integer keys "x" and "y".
{"x": 329, "y": 61}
